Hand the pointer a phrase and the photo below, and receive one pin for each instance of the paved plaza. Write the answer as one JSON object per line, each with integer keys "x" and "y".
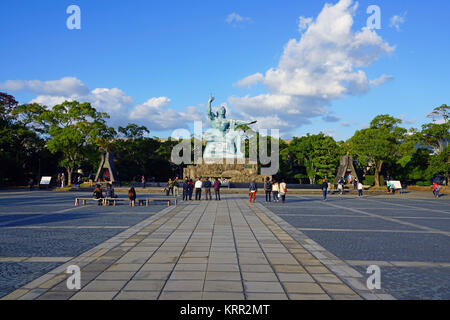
{"x": 227, "y": 250}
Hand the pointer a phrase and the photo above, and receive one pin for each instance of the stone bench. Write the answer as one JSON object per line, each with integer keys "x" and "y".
{"x": 168, "y": 200}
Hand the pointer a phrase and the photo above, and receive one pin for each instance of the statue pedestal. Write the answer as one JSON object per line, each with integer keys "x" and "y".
{"x": 235, "y": 170}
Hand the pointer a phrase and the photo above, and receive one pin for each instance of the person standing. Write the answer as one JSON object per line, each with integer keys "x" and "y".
{"x": 176, "y": 187}
{"x": 252, "y": 191}
{"x": 360, "y": 189}
{"x": 185, "y": 189}
{"x": 198, "y": 189}
{"x": 217, "y": 185}
{"x": 324, "y": 189}
{"x": 170, "y": 186}
{"x": 143, "y": 181}
{"x": 31, "y": 183}
{"x": 63, "y": 180}
{"x": 58, "y": 180}
{"x": 268, "y": 189}
{"x": 191, "y": 188}
{"x": 207, "y": 186}
{"x": 283, "y": 191}
{"x": 275, "y": 190}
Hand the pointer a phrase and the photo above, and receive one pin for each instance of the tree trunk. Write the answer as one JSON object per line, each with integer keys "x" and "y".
{"x": 378, "y": 166}
{"x": 69, "y": 176}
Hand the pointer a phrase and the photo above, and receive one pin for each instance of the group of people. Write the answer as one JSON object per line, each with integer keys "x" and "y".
{"x": 189, "y": 187}
{"x": 110, "y": 194}
{"x": 274, "y": 188}
{"x": 326, "y": 186}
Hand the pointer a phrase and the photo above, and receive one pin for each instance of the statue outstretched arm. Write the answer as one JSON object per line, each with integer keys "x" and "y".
{"x": 209, "y": 112}
{"x": 245, "y": 123}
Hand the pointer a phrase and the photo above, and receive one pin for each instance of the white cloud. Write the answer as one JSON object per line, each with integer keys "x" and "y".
{"x": 63, "y": 87}
{"x": 153, "y": 113}
{"x": 397, "y": 20}
{"x": 381, "y": 80}
{"x": 250, "y": 80}
{"x": 304, "y": 23}
{"x": 235, "y": 18}
{"x": 323, "y": 65}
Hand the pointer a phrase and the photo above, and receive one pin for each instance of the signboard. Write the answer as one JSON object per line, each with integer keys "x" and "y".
{"x": 396, "y": 185}
{"x": 45, "y": 180}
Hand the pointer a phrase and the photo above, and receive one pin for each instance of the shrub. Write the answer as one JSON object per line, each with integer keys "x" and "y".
{"x": 369, "y": 180}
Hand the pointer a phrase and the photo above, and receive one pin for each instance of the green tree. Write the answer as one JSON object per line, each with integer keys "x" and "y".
{"x": 379, "y": 143}
{"x": 435, "y": 134}
{"x": 73, "y": 129}
{"x": 133, "y": 131}
{"x": 319, "y": 154}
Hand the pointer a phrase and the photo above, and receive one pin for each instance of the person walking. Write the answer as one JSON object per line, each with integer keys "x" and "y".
{"x": 341, "y": 185}
{"x": 132, "y": 196}
{"x": 79, "y": 181}
{"x": 283, "y": 191}
{"x": 360, "y": 189}
{"x": 186, "y": 188}
{"x": 436, "y": 190}
{"x": 198, "y": 189}
{"x": 31, "y": 183}
{"x": 207, "y": 186}
{"x": 216, "y": 186}
{"x": 324, "y": 189}
{"x": 252, "y": 191}
{"x": 58, "y": 180}
{"x": 268, "y": 189}
{"x": 143, "y": 181}
{"x": 63, "y": 180}
{"x": 275, "y": 190}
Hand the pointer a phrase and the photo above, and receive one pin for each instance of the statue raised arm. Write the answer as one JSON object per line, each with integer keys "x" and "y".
{"x": 209, "y": 112}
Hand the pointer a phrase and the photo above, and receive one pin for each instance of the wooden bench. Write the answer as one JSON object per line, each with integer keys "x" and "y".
{"x": 168, "y": 200}
{"x": 84, "y": 200}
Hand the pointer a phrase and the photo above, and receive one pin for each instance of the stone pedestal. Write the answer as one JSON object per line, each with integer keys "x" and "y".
{"x": 234, "y": 170}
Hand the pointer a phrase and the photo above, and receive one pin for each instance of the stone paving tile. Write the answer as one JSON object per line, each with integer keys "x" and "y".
{"x": 295, "y": 277}
{"x": 134, "y": 295}
{"x": 266, "y": 296}
{"x": 144, "y": 285}
{"x": 302, "y": 287}
{"x": 333, "y": 288}
{"x": 168, "y": 295}
{"x": 184, "y": 285}
{"x": 263, "y": 287}
{"x": 225, "y": 286}
{"x": 56, "y": 295}
{"x": 259, "y": 276}
{"x": 104, "y": 286}
{"x": 296, "y": 296}
{"x": 94, "y": 296}
{"x": 152, "y": 275}
{"x": 118, "y": 275}
{"x": 223, "y": 296}
{"x": 188, "y": 275}
{"x": 217, "y": 275}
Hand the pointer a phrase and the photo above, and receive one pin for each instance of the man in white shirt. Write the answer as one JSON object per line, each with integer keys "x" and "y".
{"x": 360, "y": 189}
{"x": 198, "y": 189}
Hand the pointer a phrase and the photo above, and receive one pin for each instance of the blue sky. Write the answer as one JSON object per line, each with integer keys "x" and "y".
{"x": 155, "y": 62}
